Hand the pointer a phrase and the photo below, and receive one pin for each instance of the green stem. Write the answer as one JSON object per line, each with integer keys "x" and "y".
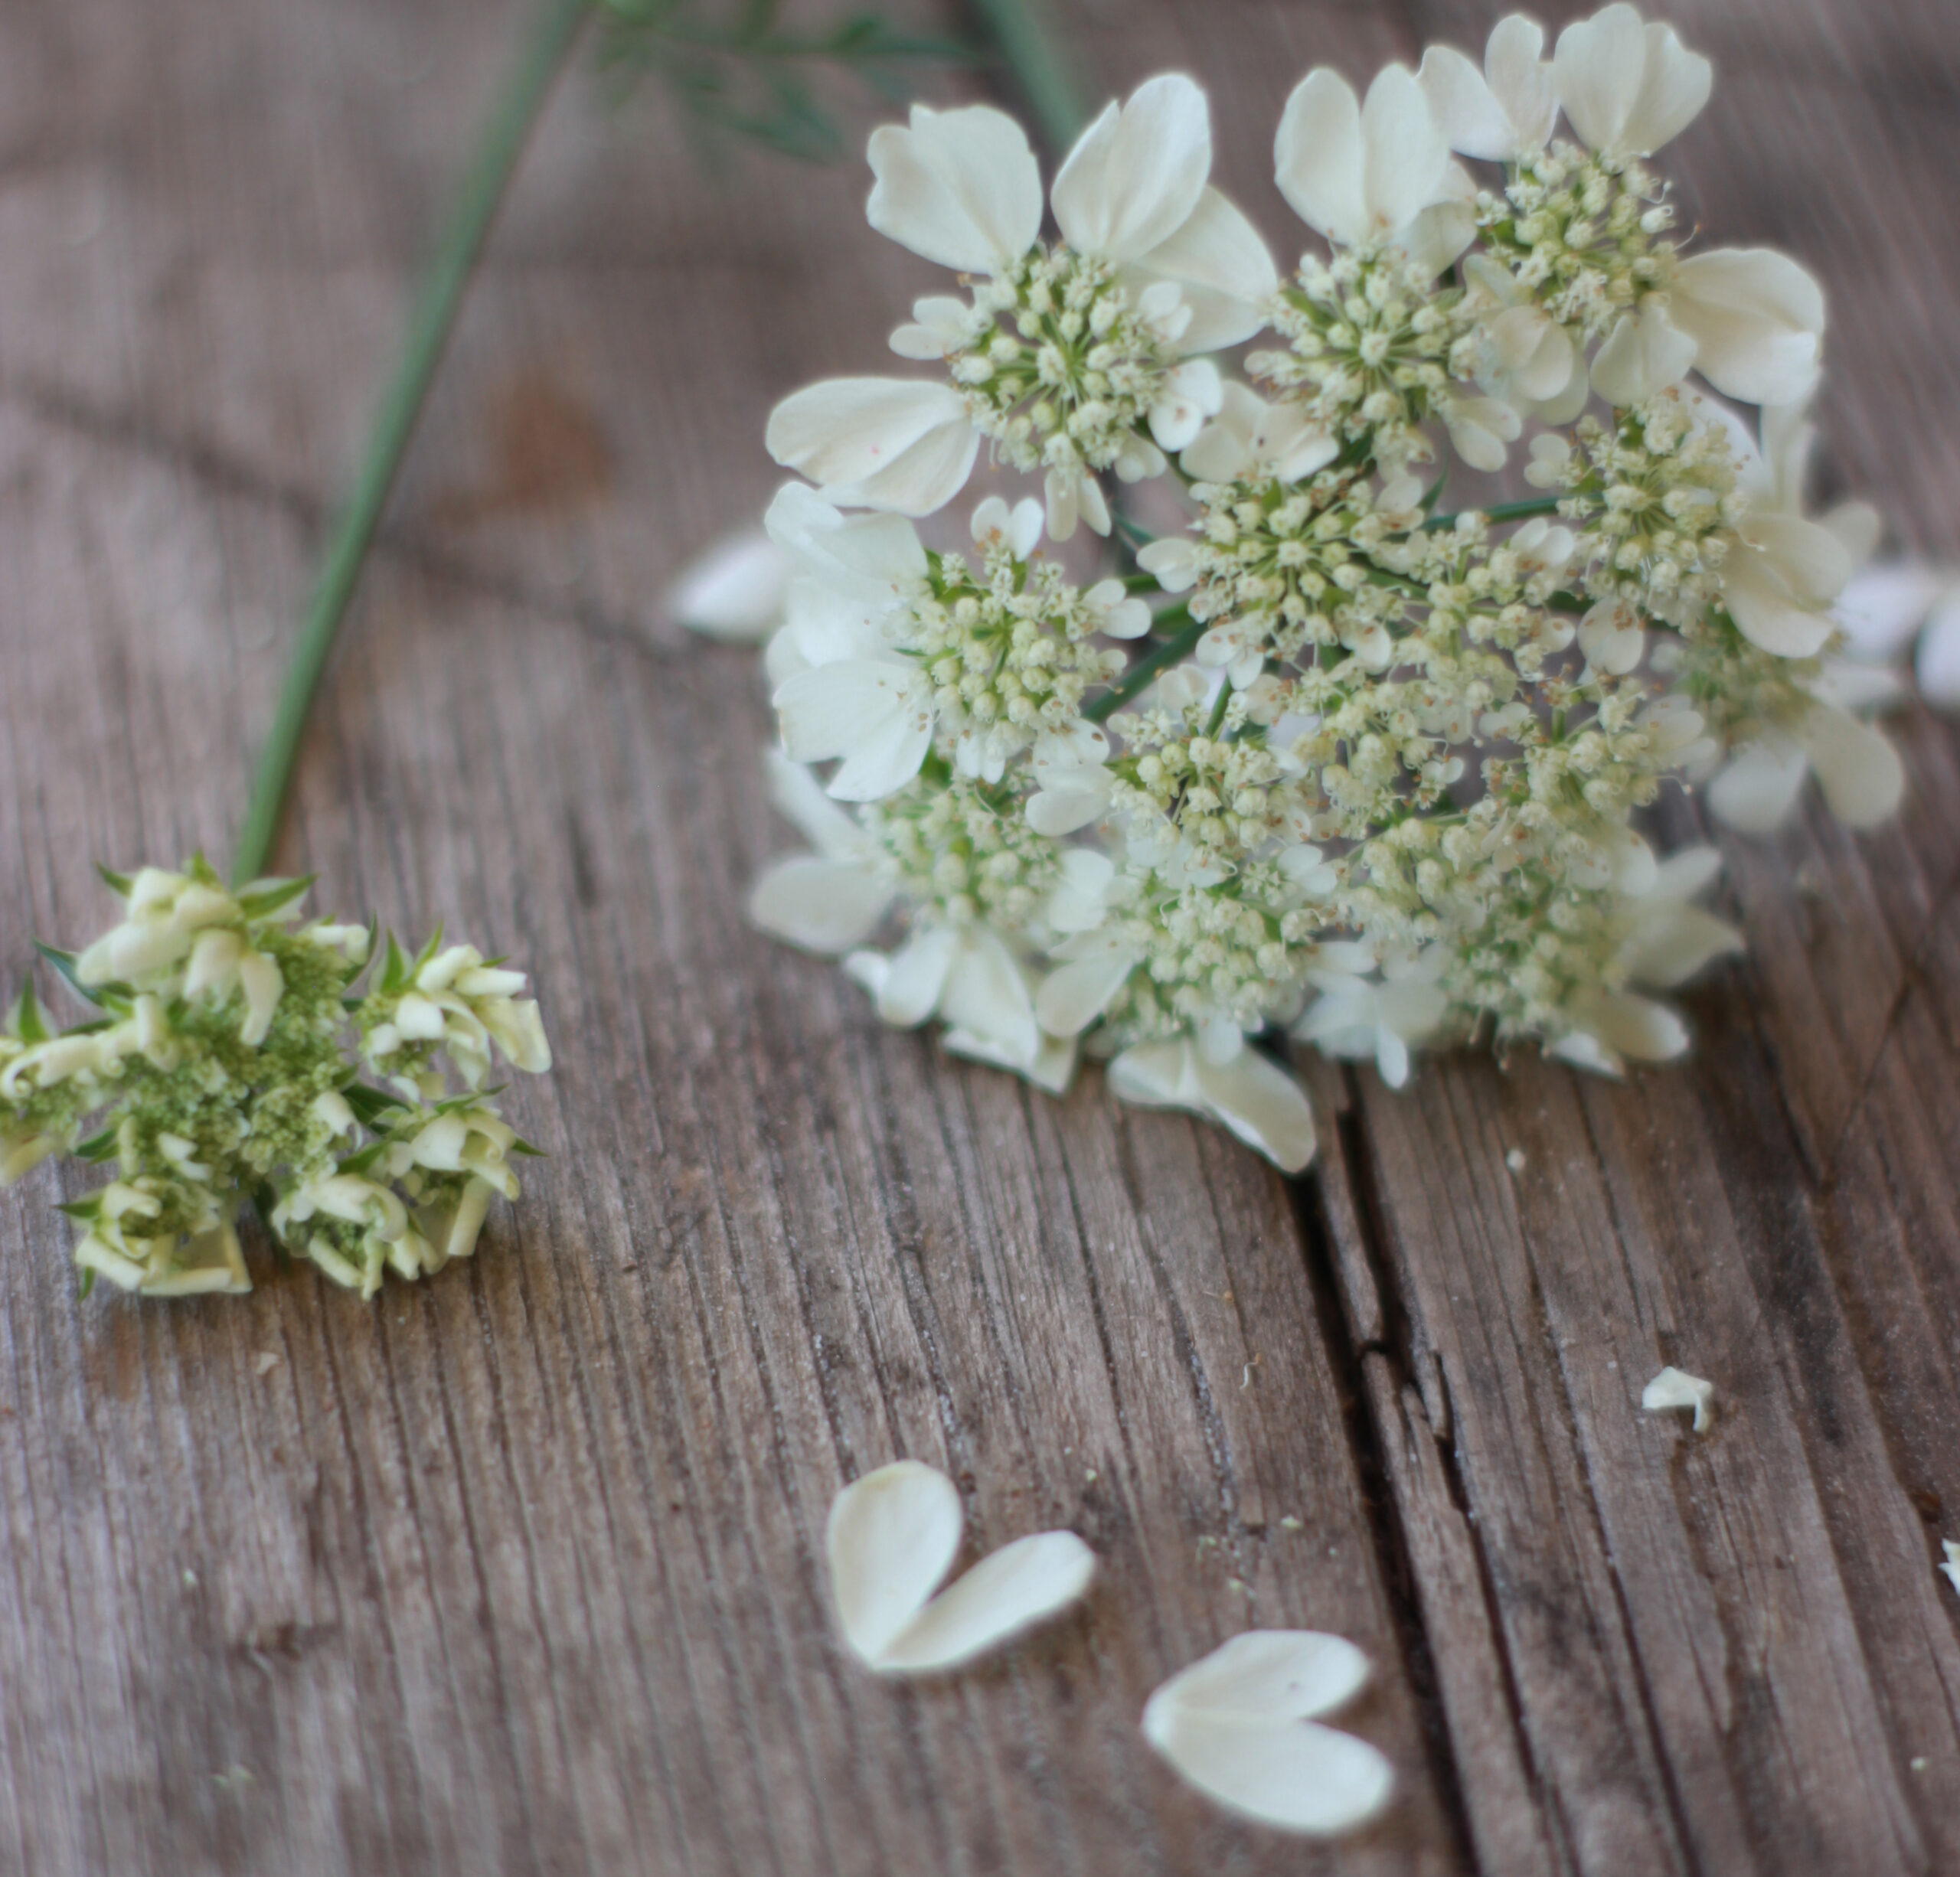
{"x": 1503, "y": 512}
{"x": 1038, "y": 68}
{"x": 1138, "y": 678}
{"x": 511, "y": 120}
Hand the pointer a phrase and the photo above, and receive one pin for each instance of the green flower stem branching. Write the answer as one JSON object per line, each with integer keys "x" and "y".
{"x": 1504, "y": 511}
{"x": 1038, "y": 67}
{"x": 511, "y": 120}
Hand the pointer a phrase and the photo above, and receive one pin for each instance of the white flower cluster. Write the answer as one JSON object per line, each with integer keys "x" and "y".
{"x": 1332, "y": 761}
{"x": 218, "y": 1071}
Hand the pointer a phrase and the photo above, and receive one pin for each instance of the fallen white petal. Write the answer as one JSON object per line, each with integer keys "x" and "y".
{"x": 1673, "y": 1388}
{"x": 1236, "y": 1725}
{"x": 1010, "y": 1590}
{"x": 892, "y": 1538}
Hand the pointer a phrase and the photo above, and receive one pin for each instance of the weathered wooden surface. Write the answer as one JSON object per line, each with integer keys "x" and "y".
{"x": 519, "y": 1571}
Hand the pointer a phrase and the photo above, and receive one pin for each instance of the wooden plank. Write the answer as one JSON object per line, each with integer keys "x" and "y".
{"x": 521, "y": 1571}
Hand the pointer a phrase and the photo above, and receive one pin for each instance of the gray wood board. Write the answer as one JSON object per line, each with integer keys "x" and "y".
{"x": 521, "y": 1570}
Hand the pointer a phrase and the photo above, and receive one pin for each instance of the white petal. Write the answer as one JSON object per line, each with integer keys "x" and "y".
{"x": 829, "y": 710}
{"x": 1296, "y": 1776}
{"x": 1438, "y": 235}
{"x": 1172, "y": 559}
{"x": 872, "y": 557}
{"x": 915, "y": 976}
{"x": 987, "y": 996}
{"x": 1092, "y": 503}
{"x": 1262, "y": 1105}
{"x": 1756, "y": 586}
{"x": 1187, "y": 396}
{"x": 1643, "y": 355}
{"x": 261, "y": 983}
{"x": 1521, "y": 78}
{"x": 1404, "y": 155}
{"x": 799, "y": 797}
{"x": 737, "y": 590}
{"x": 1882, "y": 606}
{"x": 1675, "y": 1388}
{"x": 892, "y": 1536}
{"x": 1268, "y": 1674}
{"x": 1755, "y": 793}
{"x": 1223, "y": 270}
{"x": 1860, "y": 773}
{"x": 1638, "y": 1027}
{"x": 1669, "y": 951}
{"x": 1074, "y": 995}
{"x": 1674, "y": 84}
{"x": 1007, "y": 1592}
{"x": 893, "y": 443}
{"x": 1937, "y": 666}
{"x": 1466, "y": 112}
{"x": 1757, "y": 321}
{"x": 214, "y": 958}
{"x": 1597, "y": 68}
{"x": 1134, "y": 175}
{"x": 1317, "y": 156}
{"x": 960, "y": 187}
{"x": 826, "y": 906}
{"x": 1062, "y": 490}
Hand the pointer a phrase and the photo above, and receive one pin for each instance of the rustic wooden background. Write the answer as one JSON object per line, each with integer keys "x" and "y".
{"x": 519, "y": 1571}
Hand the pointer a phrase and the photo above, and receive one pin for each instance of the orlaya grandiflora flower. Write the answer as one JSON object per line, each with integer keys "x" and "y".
{"x": 892, "y": 1538}
{"x": 1750, "y": 320}
{"x": 1077, "y": 360}
{"x": 849, "y": 686}
{"x": 1242, "y": 1725}
{"x": 1216, "y": 1073}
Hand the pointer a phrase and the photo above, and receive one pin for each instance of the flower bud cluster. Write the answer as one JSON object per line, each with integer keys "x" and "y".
{"x": 222, "y": 1067}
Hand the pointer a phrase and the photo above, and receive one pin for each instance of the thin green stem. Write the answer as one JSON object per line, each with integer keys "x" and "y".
{"x": 1139, "y": 677}
{"x": 1503, "y": 512}
{"x": 1038, "y": 67}
{"x": 510, "y": 125}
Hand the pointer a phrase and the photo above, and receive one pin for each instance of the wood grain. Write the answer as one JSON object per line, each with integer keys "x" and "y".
{"x": 520, "y": 1571}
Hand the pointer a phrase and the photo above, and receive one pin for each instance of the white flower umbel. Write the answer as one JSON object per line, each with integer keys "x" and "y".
{"x": 1673, "y": 1388}
{"x": 1329, "y": 761}
{"x": 1074, "y": 359}
{"x": 892, "y": 1538}
{"x": 1243, "y": 1726}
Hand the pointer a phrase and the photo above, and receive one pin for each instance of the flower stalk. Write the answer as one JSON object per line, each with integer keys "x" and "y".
{"x": 511, "y": 120}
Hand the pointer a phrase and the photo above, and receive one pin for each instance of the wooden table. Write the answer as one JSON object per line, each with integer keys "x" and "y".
{"x": 520, "y": 1571}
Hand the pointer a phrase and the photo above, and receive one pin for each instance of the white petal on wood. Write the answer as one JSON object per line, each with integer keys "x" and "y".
{"x": 1135, "y": 175}
{"x": 1273, "y": 1674}
{"x": 1675, "y": 1388}
{"x": 892, "y": 1538}
{"x": 961, "y": 187}
{"x": 1007, "y": 1592}
{"x": 1262, "y": 1105}
{"x": 1295, "y": 1776}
